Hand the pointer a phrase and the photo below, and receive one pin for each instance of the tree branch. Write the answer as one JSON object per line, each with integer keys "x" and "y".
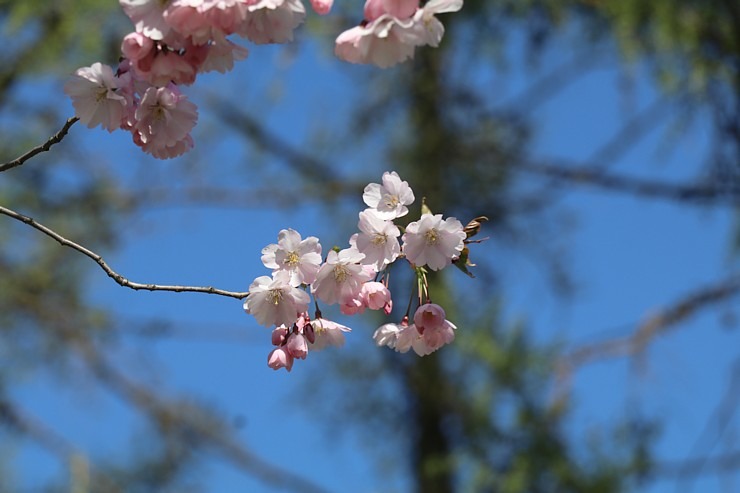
{"x": 54, "y": 139}
{"x": 654, "y": 326}
{"x": 593, "y": 176}
{"x": 108, "y": 270}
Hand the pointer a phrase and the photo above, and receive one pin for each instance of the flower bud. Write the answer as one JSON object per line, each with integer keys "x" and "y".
{"x": 279, "y": 334}
{"x": 280, "y": 358}
{"x": 297, "y": 346}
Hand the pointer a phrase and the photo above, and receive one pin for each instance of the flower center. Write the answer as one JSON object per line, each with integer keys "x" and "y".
{"x": 340, "y": 273}
{"x": 158, "y": 113}
{"x": 432, "y": 236}
{"x": 380, "y": 239}
{"x": 391, "y": 200}
{"x": 101, "y": 95}
{"x": 275, "y": 296}
{"x": 291, "y": 259}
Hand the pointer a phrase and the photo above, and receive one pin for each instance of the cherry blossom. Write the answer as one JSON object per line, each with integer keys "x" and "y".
{"x": 147, "y": 16}
{"x": 164, "y": 116}
{"x": 328, "y": 333}
{"x": 340, "y": 277}
{"x": 375, "y": 295}
{"x": 273, "y": 301}
{"x": 377, "y": 240}
{"x": 387, "y": 335}
{"x": 95, "y": 97}
{"x": 433, "y": 242}
{"x": 272, "y": 21}
{"x": 390, "y": 198}
{"x": 301, "y": 258}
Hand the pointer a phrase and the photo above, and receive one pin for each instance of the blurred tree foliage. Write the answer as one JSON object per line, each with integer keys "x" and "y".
{"x": 480, "y": 415}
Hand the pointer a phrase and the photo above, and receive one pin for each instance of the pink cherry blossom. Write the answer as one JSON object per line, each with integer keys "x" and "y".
{"x": 280, "y": 358}
{"x": 222, "y": 55}
{"x": 433, "y": 242}
{"x": 301, "y": 258}
{"x": 383, "y": 42}
{"x": 164, "y": 116}
{"x": 136, "y": 46}
{"x": 95, "y": 97}
{"x": 272, "y": 21}
{"x": 273, "y": 301}
{"x": 340, "y": 277}
{"x": 401, "y": 9}
{"x": 407, "y": 337}
{"x": 377, "y": 240}
{"x": 167, "y": 152}
{"x": 185, "y": 17}
{"x": 390, "y": 198}
{"x": 147, "y": 17}
{"x": 375, "y": 295}
{"x": 434, "y": 339}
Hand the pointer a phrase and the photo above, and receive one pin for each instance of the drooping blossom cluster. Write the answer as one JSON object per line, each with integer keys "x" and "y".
{"x": 175, "y": 40}
{"x": 356, "y": 278}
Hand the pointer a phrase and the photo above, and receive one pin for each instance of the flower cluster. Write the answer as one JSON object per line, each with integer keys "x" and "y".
{"x": 175, "y": 40}
{"x": 356, "y": 278}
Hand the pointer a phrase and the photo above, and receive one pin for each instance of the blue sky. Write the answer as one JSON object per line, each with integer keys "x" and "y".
{"x": 629, "y": 257}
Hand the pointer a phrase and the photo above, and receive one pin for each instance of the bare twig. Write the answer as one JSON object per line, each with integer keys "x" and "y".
{"x": 54, "y": 139}
{"x": 654, "y": 326}
{"x": 108, "y": 270}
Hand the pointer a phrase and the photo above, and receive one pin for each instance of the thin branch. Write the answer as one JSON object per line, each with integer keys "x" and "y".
{"x": 21, "y": 423}
{"x": 306, "y": 165}
{"x": 54, "y": 139}
{"x": 108, "y": 270}
{"x": 656, "y": 325}
{"x": 594, "y": 176}
{"x": 699, "y": 466}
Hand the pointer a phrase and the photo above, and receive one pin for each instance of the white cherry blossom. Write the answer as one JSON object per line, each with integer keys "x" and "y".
{"x": 433, "y": 242}
{"x": 389, "y": 198}
{"x": 340, "y": 277}
{"x": 301, "y": 258}
{"x": 273, "y": 301}
{"x": 378, "y": 239}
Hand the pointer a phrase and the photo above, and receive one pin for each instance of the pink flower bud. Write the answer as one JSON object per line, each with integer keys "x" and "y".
{"x": 388, "y": 307}
{"x": 429, "y": 316}
{"x": 280, "y": 358}
{"x": 322, "y": 7}
{"x": 297, "y": 346}
{"x": 279, "y": 334}
{"x": 136, "y": 46}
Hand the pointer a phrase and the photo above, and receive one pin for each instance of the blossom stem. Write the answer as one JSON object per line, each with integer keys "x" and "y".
{"x": 54, "y": 139}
